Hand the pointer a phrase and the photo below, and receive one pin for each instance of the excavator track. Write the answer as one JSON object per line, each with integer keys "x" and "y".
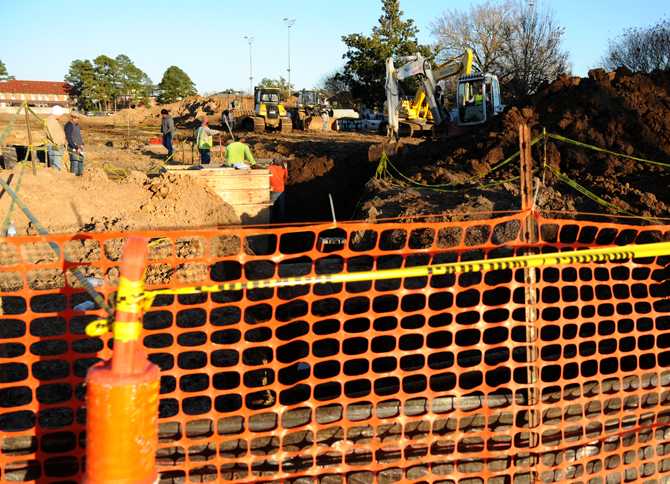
{"x": 259, "y": 125}
{"x": 286, "y": 125}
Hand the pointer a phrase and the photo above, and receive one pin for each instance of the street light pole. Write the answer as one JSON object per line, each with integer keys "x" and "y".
{"x": 250, "y": 40}
{"x": 289, "y": 23}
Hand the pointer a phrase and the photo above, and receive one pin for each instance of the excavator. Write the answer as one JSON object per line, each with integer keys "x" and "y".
{"x": 477, "y": 95}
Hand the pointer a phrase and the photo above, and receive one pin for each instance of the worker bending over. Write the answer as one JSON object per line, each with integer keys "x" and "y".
{"x": 203, "y": 139}
{"x": 239, "y": 152}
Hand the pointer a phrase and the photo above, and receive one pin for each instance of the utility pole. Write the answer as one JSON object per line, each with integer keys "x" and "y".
{"x": 250, "y": 40}
{"x": 289, "y": 23}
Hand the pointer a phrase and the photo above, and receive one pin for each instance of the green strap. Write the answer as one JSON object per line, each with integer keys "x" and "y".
{"x": 10, "y": 126}
{"x": 588, "y": 193}
{"x": 10, "y": 211}
{"x": 558, "y": 137}
{"x": 384, "y": 161}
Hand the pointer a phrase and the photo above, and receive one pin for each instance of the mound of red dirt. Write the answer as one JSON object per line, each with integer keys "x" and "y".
{"x": 619, "y": 111}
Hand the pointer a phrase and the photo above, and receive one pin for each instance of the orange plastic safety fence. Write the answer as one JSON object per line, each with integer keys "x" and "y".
{"x": 450, "y": 378}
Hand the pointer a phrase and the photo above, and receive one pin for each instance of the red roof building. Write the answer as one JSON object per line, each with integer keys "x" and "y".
{"x": 36, "y": 93}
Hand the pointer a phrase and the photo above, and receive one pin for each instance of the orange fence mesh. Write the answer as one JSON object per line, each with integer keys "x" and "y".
{"x": 449, "y": 378}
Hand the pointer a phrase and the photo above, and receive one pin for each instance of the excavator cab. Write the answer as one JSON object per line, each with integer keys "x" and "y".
{"x": 478, "y": 99}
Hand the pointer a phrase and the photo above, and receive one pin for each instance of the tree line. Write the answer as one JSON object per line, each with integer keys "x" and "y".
{"x": 518, "y": 41}
{"x": 107, "y": 83}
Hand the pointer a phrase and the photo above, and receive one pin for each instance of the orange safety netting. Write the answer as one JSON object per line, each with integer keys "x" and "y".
{"x": 449, "y": 378}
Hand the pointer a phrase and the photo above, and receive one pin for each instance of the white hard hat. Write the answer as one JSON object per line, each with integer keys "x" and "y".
{"x": 57, "y": 110}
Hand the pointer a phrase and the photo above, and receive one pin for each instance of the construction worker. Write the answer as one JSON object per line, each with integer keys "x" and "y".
{"x": 228, "y": 116}
{"x": 325, "y": 116}
{"x": 239, "y": 152}
{"x": 56, "y": 137}
{"x": 203, "y": 139}
{"x": 278, "y": 179}
{"x": 75, "y": 145}
{"x": 168, "y": 131}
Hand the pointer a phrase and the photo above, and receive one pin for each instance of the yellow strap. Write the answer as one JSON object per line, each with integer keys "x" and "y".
{"x": 97, "y": 328}
{"x": 127, "y": 331}
{"x": 130, "y": 296}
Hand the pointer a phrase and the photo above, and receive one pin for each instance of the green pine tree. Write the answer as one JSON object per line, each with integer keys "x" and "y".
{"x": 365, "y": 68}
{"x": 174, "y": 86}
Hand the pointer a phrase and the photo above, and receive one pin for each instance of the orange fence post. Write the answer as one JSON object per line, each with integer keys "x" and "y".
{"x": 122, "y": 394}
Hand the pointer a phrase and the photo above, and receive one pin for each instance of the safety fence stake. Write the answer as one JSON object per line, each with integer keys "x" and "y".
{"x": 529, "y": 235}
{"x": 122, "y": 394}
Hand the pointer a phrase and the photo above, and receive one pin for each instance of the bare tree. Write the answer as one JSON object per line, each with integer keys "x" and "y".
{"x": 641, "y": 49}
{"x": 518, "y": 42}
{"x": 482, "y": 29}
{"x": 333, "y": 83}
{"x": 532, "y": 52}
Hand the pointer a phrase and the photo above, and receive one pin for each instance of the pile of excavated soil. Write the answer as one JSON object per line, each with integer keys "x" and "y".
{"x": 619, "y": 111}
{"x": 186, "y": 111}
{"x": 64, "y": 203}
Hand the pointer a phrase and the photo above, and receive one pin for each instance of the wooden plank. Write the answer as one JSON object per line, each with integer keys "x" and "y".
{"x": 220, "y": 184}
{"x": 237, "y": 197}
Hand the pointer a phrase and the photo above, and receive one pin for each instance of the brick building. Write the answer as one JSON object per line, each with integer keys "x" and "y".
{"x": 39, "y": 94}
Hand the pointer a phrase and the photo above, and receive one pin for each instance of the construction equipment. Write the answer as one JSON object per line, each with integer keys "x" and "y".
{"x": 310, "y": 105}
{"x": 269, "y": 111}
{"x": 477, "y": 95}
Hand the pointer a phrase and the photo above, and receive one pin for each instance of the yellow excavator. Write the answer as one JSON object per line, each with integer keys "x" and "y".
{"x": 477, "y": 95}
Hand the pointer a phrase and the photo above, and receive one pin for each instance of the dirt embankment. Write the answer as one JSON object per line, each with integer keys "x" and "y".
{"x": 64, "y": 203}
{"x": 185, "y": 112}
{"x": 619, "y": 111}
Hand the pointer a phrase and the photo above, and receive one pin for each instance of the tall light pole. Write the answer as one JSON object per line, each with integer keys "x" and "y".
{"x": 289, "y": 23}
{"x": 250, "y": 40}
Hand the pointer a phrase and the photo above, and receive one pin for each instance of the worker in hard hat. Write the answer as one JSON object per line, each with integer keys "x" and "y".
{"x": 238, "y": 153}
{"x": 204, "y": 141}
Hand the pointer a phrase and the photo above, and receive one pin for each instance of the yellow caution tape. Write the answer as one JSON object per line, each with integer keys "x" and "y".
{"x": 130, "y": 331}
{"x": 533, "y": 260}
{"x": 123, "y": 331}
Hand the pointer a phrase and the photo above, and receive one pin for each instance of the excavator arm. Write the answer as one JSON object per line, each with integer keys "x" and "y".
{"x": 417, "y": 65}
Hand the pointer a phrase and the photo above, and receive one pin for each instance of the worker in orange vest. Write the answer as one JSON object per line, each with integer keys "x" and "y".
{"x": 278, "y": 179}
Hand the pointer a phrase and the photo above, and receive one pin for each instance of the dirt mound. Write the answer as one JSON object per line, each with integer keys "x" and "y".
{"x": 185, "y": 112}
{"x": 64, "y": 203}
{"x": 619, "y": 111}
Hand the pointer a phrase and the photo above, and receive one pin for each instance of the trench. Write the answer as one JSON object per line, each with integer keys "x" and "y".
{"x": 318, "y": 167}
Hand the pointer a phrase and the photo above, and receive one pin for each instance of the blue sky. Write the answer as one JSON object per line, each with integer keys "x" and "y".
{"x": 39, "y": 38}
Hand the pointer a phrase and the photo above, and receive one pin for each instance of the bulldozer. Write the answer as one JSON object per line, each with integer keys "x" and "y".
{"x": 310, "y": 105}
{"x": 269, "y": 112}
